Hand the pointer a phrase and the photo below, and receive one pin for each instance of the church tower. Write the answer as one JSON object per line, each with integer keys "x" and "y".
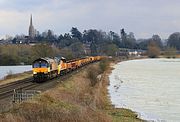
{"x": 31, "y": 29}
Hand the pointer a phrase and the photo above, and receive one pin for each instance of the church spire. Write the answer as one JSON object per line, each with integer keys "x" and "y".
{"x": 31, "y": 21}
{"x": 31, "y": 29}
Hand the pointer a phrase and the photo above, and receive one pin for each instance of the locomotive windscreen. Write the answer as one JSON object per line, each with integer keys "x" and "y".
{"x": 40, "y": 64}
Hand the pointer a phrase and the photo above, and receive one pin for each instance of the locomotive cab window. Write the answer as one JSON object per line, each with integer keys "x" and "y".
{"x": 40, "y": 64}
{"x": 43, "y": 64}
{"x": 36, "y": 65}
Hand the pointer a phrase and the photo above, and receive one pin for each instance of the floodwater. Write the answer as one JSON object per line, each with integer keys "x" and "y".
{"x": 5, "y": 70}
{"x": 150, "y": 87}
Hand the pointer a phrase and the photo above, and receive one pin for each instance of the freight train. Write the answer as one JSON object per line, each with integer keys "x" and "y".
{"x": 49, "y": 68}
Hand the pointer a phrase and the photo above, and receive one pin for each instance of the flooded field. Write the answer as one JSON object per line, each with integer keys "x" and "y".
{"x": 5, "y": 70}
{"x": 151, "y": 87}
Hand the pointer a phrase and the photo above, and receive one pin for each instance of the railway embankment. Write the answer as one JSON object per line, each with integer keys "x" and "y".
{"x": 81, "y": 97}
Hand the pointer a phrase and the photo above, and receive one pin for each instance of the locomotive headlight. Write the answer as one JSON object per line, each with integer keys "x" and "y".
{"x": 45, "y": 72}
{"x": 34, "y": 73}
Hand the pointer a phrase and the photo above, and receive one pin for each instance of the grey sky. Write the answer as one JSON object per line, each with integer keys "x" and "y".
{"x": 143, "y": 17}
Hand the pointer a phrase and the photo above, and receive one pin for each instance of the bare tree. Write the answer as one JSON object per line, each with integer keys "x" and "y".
{"x": 153, "y": 50}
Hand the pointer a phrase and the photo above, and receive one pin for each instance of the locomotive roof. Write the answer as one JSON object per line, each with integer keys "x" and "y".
{"x": 44, "y": 59}
{"x": 47, "y": 59}
{"x": 39, "y": 59}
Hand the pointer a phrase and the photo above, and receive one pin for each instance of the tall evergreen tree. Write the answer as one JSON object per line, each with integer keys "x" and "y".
{"x": 75, "y": 33}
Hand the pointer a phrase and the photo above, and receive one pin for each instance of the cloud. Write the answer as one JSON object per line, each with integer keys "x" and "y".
{"x": 12, "y": 23}
{"x": 21, "y": 5}
{"x": 143, "y": 17}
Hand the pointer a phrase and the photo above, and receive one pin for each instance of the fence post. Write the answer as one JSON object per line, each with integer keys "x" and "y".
{"x": 14, "y": 96}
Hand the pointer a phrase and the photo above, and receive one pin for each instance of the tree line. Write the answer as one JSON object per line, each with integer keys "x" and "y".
{"x": 90, "y": 42}
{"x": 25, "y": 54}
{"x": 94, "y": 37}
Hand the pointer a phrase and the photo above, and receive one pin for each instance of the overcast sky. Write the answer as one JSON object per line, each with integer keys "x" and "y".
{"x": 143, "y": 17}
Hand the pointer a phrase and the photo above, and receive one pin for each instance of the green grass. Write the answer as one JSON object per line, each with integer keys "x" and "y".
{"x": 124, "y": 115}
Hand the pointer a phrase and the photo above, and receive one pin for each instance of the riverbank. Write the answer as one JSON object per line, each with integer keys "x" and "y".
{"x": 82, "y": 97}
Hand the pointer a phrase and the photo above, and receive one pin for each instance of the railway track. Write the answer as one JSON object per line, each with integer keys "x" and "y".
{"x": 7, "y": 90}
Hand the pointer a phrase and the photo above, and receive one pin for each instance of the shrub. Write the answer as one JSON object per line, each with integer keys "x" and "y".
{"x": 153, "y": 50}
{"x": 92, "y": 75}
{"x": 171, "y": 52}
{"x": 103, "y": 65}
